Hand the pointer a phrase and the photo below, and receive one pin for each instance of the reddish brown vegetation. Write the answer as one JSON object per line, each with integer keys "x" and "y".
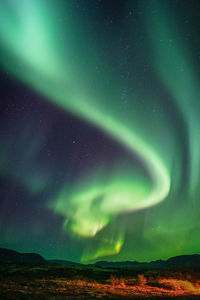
{"x": 36, "y": 284}
{"x": 81, "y": 289}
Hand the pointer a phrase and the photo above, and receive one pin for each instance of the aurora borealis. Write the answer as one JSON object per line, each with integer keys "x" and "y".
{"x": 99, "y": 132}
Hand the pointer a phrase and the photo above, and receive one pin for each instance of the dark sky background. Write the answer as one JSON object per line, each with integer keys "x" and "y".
{"x": 100, "y": 128}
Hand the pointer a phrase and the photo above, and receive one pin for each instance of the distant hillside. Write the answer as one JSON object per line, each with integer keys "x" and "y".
{"x": 63, "y": 262}
{"x": 177, "y": 262}
{"x": 7, "y": 255}
{"x": 174, "y": 263}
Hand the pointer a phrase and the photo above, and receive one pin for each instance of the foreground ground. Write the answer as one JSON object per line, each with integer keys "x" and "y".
{"x": 19, "y": 281}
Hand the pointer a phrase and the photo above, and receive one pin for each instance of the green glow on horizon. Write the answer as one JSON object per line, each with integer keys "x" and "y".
{"x": 105, "y": 248}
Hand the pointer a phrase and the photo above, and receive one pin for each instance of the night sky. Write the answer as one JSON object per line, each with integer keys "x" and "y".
{"x": 100, "y": 128}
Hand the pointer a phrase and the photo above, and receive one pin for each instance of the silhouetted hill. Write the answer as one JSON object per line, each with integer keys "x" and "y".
{"x": 63, "y": 262}
{"x": 174, "y": 263}
{"x": 188, "y": 261}
{"x": 7, "y": 255}
{"x": 118, "y": 264}
{"x": 177, "y": 262}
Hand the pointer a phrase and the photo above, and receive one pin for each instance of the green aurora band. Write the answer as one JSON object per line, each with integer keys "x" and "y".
{"x": 59, "y": 62}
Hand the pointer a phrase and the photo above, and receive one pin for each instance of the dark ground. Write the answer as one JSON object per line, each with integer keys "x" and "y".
{"x": 22, "y": 281}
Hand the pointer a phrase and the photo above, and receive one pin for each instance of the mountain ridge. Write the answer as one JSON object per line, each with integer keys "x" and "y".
{"x": 176, "y": 262}
{"x": 8, "y": 255}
